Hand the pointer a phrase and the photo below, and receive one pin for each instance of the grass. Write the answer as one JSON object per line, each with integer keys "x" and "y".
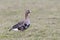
{"x": 45, "y": 19}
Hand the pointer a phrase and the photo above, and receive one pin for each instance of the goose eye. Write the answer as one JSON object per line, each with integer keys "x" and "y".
{"x": 28, "y": 11}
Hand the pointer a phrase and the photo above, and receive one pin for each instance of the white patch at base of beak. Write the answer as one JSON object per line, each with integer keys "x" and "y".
{"x": 15, "y": 29}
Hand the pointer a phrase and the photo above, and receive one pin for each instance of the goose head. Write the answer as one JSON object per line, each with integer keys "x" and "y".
{"x": 27, "y": 14}
{"x": 28, "y": 11}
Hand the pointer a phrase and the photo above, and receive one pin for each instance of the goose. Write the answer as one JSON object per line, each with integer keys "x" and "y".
{"x": 22, "y": 25}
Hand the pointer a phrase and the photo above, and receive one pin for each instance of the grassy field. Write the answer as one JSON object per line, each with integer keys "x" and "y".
{"x": 45, "y": 19}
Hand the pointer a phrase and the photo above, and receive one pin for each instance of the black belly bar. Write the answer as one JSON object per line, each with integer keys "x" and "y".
{"x": 22, "y": 28}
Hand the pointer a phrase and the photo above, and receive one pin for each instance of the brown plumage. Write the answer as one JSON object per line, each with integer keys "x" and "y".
{"x": 22, "y": 25}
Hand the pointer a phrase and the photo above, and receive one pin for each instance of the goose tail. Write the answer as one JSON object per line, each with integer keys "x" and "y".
{"x": 10, "y": 29}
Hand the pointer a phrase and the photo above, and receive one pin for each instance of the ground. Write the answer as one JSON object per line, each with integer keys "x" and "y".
{"x": 45, "y": 19}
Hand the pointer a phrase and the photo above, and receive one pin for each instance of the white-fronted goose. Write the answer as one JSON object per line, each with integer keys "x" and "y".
{"x": 22, "y": 25}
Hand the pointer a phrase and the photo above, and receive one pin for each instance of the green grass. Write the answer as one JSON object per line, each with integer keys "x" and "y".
{"x": 45, "y": 19}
